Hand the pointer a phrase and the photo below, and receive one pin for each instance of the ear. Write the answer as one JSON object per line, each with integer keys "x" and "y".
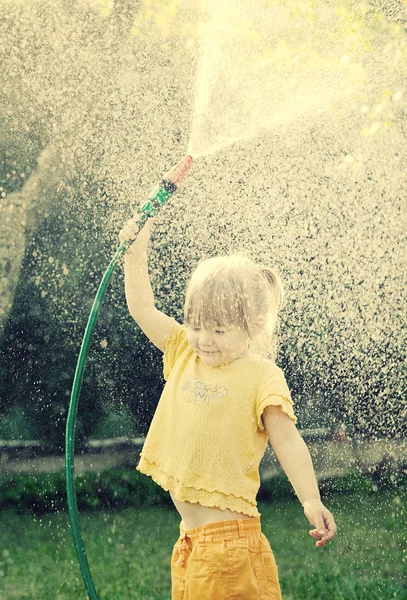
{"x": 260, "y": 323}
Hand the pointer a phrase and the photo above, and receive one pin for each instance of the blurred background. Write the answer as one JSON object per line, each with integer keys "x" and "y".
{"x": 296, "y": 114}
{"x": 97, "y": 102}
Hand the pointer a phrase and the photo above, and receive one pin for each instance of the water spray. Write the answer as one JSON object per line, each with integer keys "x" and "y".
{"x": 158, "y": 197}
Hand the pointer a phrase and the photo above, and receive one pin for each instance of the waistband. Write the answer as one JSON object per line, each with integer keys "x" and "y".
{"x": 223, "y": 529}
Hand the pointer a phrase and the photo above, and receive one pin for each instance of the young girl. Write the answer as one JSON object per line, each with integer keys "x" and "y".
{"x": 221, "y": 403}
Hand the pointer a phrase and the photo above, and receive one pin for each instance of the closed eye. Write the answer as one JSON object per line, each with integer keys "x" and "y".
{"x": 217, "y": 331}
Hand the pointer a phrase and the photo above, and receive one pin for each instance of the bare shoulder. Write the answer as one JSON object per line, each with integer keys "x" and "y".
{"x": 156, "y": 325}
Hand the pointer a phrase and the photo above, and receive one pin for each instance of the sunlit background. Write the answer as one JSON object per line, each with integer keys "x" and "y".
{"x": 296, "y": 115}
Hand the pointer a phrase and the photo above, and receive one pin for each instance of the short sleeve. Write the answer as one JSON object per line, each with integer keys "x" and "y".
{"x": 174, "y": 347}
{"x": 273, "y": 390}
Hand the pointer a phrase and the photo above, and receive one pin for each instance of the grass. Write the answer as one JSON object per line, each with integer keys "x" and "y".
{"x": 129, "y": 552}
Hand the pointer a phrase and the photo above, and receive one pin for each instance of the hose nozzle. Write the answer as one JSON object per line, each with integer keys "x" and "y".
{"x": 177, "y": 174}
{"x": 161, "y": 193}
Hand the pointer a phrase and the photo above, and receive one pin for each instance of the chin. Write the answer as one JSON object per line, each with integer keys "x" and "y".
{"x": 209, "y": 357}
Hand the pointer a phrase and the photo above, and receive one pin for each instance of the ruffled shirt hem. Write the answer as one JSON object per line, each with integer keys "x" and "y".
{"x": 211, "y": 498}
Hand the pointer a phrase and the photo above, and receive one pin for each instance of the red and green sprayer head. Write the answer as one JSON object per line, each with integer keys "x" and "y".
{"x": 161, "y": 193}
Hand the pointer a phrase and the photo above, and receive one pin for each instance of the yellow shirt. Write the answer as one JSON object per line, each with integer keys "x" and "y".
{"x": 207, "y": 438}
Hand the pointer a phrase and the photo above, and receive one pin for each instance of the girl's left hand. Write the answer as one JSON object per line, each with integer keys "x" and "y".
{"x": 319, "y": 516}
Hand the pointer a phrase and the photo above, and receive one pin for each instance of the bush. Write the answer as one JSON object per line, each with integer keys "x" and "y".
{"x": 276, "y": 488}
{"x": 374, "y": 480}
{"x": 352, "y": 482}
{"x": 113, "y": 489}
{"x": 110, "y": 489}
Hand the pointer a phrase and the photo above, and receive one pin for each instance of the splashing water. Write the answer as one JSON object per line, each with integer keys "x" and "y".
{"x": 97, "y": 99}
{"x": 265, "y": 65}
{"x": 316, "y": 95}
{"x": 321, "y": 80}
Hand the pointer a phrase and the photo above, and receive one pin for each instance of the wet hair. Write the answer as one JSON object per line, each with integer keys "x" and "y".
{"x": 234, "y": 290}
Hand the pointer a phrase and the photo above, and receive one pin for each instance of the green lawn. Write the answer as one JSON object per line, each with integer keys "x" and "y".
{"x": 129, "y": 552}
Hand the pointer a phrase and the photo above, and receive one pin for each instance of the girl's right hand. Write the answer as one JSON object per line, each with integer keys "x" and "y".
{"x": 131, "y": 230}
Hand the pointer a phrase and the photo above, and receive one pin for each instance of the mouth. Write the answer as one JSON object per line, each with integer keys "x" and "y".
{"x": 206, "y": 352}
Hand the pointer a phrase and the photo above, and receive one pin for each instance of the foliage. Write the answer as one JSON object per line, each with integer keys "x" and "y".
{"x": 110, "y": 489}
{"x": 353, "y": 482}
{"x": 41, "y": 340}
{"x": 16, "y": 425}
{"x": 113, "y": 489}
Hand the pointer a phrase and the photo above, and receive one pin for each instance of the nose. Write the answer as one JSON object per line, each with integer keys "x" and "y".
{"x": 205, "y": 338}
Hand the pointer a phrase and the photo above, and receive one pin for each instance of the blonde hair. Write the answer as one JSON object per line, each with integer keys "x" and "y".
{"x": 234, "y": 290}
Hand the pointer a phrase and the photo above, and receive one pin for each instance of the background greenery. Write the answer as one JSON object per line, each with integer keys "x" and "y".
{"x": 129, "y": 552}
{"x": 113, "y": 489}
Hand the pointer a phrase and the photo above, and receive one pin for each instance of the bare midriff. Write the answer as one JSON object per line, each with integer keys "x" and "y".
{"x": 194, "y": 514}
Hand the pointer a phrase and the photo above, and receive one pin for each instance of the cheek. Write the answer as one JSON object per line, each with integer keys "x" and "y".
{"x": 232, "y": 342}
{"x": 237, "y": 339}
{"x": 241, "y": 340}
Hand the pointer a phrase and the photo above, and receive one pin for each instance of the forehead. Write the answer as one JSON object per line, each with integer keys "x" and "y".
{"x": 211, "y": 315}
{"x": 209, "y": 319}
{"x": 212, "y": 324}
{"x": 213, "y": 303}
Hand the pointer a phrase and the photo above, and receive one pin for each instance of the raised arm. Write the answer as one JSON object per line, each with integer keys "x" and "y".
{"x": 295, "y": 459}
{"x": 139, "y": 294}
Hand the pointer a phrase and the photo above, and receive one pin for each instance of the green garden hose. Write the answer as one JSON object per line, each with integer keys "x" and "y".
{"x": 71, "y": 426}
{"x": 149, "y": 209}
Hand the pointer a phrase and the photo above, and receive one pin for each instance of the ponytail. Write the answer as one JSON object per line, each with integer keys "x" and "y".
{"x": 277, "y": 288}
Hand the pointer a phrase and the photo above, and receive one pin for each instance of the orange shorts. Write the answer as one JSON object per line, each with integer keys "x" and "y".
{"x": 229, "y": 560}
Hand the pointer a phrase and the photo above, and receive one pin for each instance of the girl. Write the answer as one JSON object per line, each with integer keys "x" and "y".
{"x": 221, "y": 403}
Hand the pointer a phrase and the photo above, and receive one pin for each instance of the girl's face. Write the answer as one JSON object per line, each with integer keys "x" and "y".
{"x": 219, "y": 345}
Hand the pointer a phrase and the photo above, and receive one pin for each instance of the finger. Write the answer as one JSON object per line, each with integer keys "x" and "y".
{"x": 123, "y": 237}
{"x": 329, "y": 521}
{"x": 133, "y": 224}
{"x": 330, "y": 525}
{"x": 149, "y": 223}
{"x": 325, "y": 538}
{"x": 318, "y": 537}
{"x": 329, "y": 534}
{"x": 127, "y": 233}
{"x": 314, "y": 533}
{"x": 320, "y": 541}
{"x": 325, "y": 522}
{"x": 130, "y": 231}
{"x": 320, "y": 525}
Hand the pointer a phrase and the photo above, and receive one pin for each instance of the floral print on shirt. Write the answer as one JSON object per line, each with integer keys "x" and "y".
{"x": 201, "y": 393}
